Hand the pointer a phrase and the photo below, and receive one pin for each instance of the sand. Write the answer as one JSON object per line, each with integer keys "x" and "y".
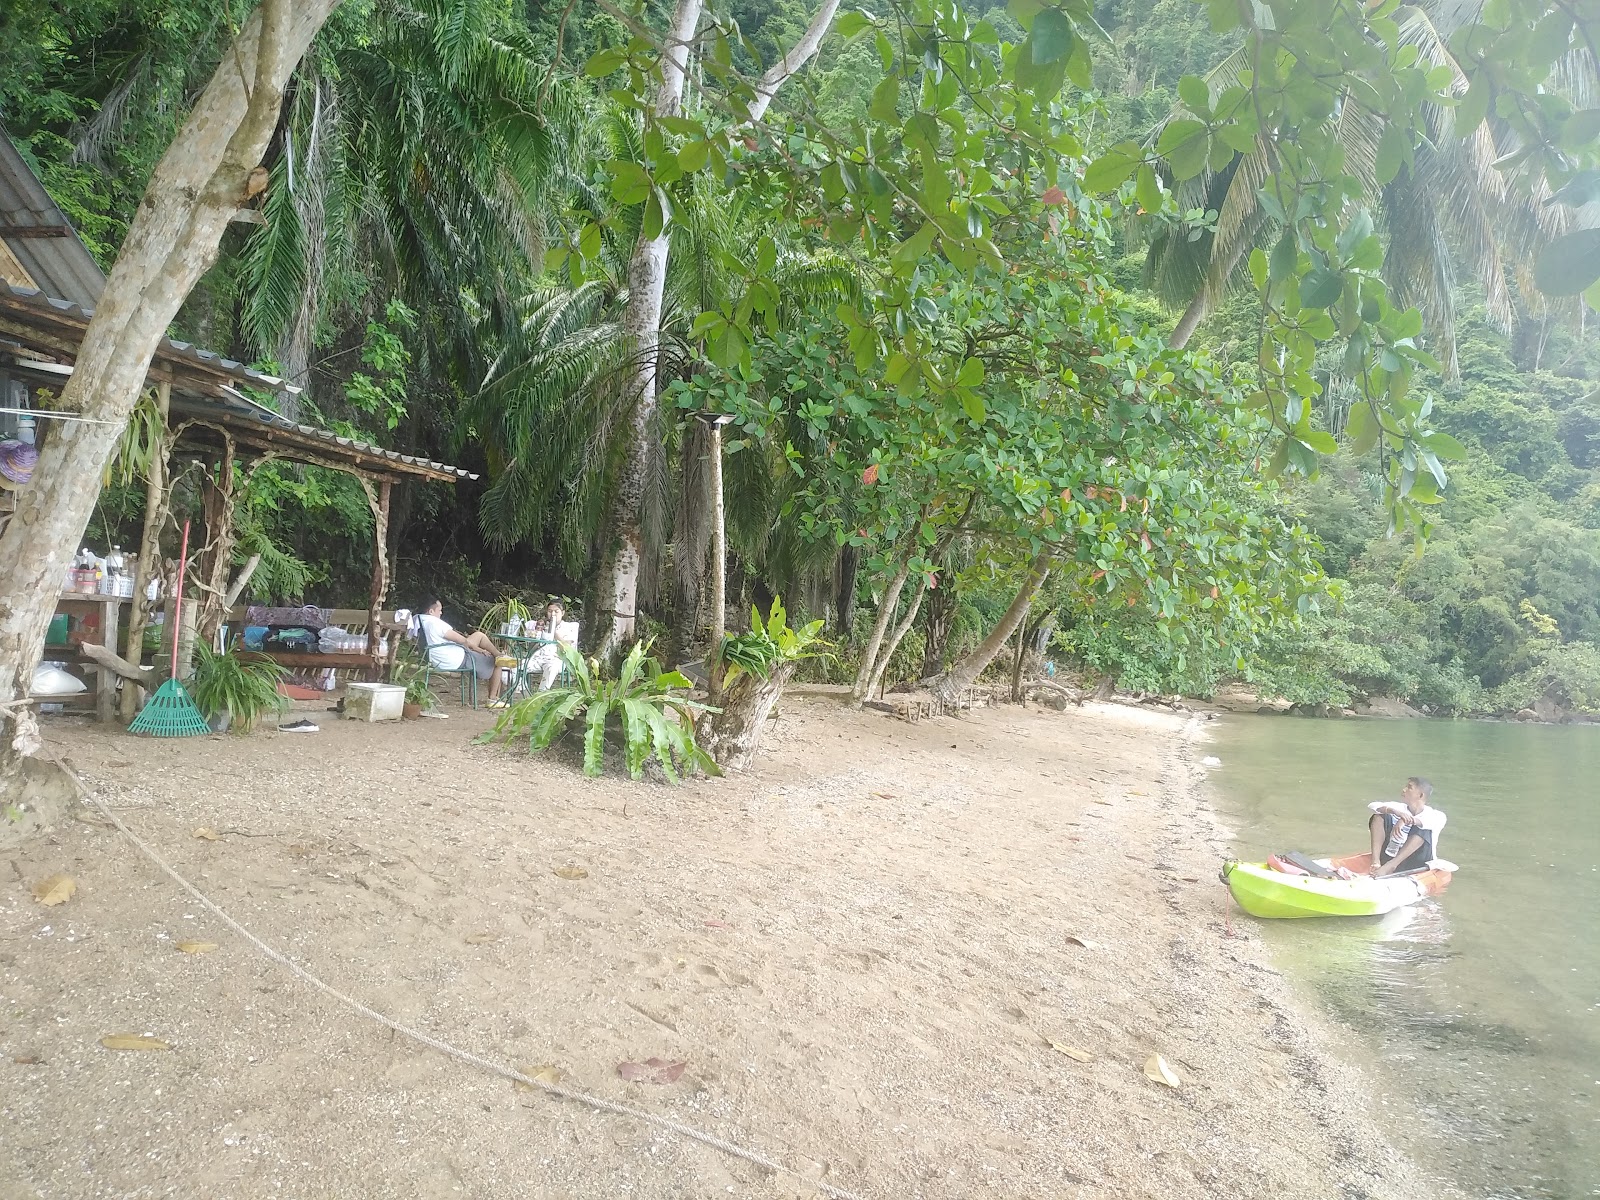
{"x": 861, "y": 951}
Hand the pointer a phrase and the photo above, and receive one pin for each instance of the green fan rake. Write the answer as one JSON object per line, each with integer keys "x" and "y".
{"x": 170, "y": 713}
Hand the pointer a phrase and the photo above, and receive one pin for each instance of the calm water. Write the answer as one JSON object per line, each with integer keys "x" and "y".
{"x": 1482, "y": 1008}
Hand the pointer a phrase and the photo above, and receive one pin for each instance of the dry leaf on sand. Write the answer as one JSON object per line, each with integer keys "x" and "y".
{"x": 206, "y": 833}
{"x": 1075, "y": 940}
{"x": 572, "y": 872}
{"x": 544, "y": 1074}
{"x": 58, "y": 889}
{"x": 132, "y": 1041}
{"x": 651, "y": 1070}
{"x": 197, "y": 947}
{"x": 27, "y": 1060}
{"x": 1157, "y": 1071}
{"x": 714, "y": 924}
{"x": 482, "y": 939}
{"x": 1071, "y": 1051}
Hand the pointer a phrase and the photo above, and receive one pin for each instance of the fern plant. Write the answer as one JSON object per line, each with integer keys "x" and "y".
{"x": 651, "y": 706}
{"x": 768, "y": 644}
{"x": 227, "y": 682}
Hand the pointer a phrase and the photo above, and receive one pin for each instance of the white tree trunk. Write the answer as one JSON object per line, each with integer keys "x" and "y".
{"x": 949, "y": 685}
{"x": 869, "y": 656}
{"x": 172, "y": 241}
{"x": 876, "y": 682}
{"x": 618, "y": 587}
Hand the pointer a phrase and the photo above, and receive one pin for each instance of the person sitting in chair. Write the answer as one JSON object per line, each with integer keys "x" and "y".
{"x": 1405, "y": 835}
{"x": 450, "y": 651}
{"x": 546, "y": 660}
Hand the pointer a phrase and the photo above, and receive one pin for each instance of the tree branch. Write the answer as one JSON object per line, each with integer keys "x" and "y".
{"x": 792, "y": 60}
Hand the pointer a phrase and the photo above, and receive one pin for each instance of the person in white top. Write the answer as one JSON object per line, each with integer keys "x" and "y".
{"x": 450, "y": 651}
{"x": 1405, "y": 835}
{"x": 547, "y": 659}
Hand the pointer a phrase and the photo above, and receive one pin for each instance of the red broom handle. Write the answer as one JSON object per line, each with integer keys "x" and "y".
{"x": 177, "y": 602}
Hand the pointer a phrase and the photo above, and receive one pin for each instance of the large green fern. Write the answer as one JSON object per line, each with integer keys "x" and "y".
{"x": 651, "y": 705}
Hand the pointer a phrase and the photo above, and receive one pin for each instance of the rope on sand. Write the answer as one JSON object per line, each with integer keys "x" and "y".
{"x": 554, "y": 1089}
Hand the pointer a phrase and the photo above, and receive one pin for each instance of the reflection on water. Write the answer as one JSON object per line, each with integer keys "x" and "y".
{"x": 1480, "y": 1009}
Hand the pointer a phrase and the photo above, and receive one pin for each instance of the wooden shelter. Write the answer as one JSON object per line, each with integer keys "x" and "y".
{"x": 217, "y": 412}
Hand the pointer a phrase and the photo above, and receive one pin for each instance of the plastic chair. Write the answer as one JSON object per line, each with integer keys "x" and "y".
{"x": 466, "y": 673}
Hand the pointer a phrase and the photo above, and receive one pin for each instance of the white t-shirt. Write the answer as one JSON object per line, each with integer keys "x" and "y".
{"x": 442, "y": 653}
{"x": 1429, "y": 822}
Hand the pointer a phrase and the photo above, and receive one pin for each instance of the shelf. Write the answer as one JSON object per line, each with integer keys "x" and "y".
{"x": 95, "y": 598}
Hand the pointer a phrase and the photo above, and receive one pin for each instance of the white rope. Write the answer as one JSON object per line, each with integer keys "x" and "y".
{"x": 553, "y": 1089}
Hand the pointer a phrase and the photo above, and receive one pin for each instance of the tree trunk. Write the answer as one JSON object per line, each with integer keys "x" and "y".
{"x": 876, "y": 682}
{"x": 936, "y": 629}
{"x": 719, "y": 570}
{"x": 691, "y": 539}
{"x": 1214, "y": 285}
{"x": 844, "y": 611}
{"x": 733, "y": 735}
{"x": 948, "y": 685}
{"x": 149, "y": 561}
{"x": 617, "y": 586}
{"x": 891, "y": 597}
{"x": 173, "y": 239}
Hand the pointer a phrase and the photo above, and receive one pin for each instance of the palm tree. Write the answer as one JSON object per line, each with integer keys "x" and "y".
{"x": 1453, "y": 206}
{"x": 419, "y": 138}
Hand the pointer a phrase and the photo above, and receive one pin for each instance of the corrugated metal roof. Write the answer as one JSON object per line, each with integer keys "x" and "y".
{"x": 40, "y": 237}
{"x": 49, "y": 308}
{"x": 69, "y": 283}
{"x": 237, "y": 406}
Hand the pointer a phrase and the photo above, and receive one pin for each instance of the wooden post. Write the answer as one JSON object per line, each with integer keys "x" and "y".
{"x": 147, "y": 565}
{"x": 216, "y": 563}
{"x": 380, "y": 561}
{"x": 719, "y": 567}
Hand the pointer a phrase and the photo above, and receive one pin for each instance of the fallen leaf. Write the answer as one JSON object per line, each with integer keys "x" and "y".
{"x": 718, "y": 925}
{"x": 571, "y": 872}
{"x": 884, "y": 795}
{"x": 1071, "y": 1051}
{"x": 651, "y": 1070}
{"x": 206, "y": 833}
{"x": 482, "y": 939}
{"x": 1138, "y": 793}
{"x": 1190, "y": 878}
{"x": 27, "y": 1060}
{"x": 1157, "y": 1071}
{"x": 197, "y": 947}
{"x": 544, "y": 1074}
{"x": 132, "y": 1041}
{"x": 1107, "y": 803}
{"x": 1075, "y": 940}
{"x": 58, "y": 889}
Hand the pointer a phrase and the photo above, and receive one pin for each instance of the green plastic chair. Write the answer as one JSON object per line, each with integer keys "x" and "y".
{"x": 466, "y": 674}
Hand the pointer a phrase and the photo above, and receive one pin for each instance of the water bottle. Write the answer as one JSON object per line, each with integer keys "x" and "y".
{"x": 1397, "y": 837}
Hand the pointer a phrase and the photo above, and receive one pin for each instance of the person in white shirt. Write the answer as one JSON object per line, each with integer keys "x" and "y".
{"x": 1413, "y": 823}
{"x": 450, "y": 651}
{"x": 546, "y": 660}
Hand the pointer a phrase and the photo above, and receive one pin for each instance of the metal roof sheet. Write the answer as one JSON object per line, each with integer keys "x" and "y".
{"x": 39, "y": 236}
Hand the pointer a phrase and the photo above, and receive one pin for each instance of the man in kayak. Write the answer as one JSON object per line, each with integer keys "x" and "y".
{"x": 1405, "y": 835}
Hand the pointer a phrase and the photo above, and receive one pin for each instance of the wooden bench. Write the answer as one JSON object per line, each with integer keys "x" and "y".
{"x": 350, "y": 620}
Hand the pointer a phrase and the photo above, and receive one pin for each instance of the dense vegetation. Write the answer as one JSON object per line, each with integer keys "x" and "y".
{"x": 920, "y": 440}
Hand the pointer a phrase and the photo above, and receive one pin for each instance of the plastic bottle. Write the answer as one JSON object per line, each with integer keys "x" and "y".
{"x": 1398, "y": 836}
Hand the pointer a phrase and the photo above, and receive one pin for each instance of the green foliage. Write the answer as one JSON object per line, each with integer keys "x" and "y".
{"x": 656, "y": 718}
{"x": 767, "y": 644}
{"x": 230, "y": 682}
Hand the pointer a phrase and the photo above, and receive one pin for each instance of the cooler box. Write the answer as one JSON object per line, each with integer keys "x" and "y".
{"x": 373, "y": 702}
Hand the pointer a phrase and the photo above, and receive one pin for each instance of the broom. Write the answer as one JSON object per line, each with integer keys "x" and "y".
{"x": 170, "y": 712}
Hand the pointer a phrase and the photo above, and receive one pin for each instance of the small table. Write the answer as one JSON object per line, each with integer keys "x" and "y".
{"x": 522, "y": 649}
{"x": 98, "y": 619}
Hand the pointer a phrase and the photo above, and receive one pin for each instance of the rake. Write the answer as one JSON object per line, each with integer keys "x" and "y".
{"x": 170, "y": 713}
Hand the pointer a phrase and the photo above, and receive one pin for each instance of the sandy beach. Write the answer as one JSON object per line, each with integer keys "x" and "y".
{"x": 861, "y": 952}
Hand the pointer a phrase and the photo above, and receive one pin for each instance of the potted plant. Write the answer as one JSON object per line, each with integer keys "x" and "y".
{"x": 419, "y": 698}
{"x": 506, "y": 616}
{"x": 232, "y": 689}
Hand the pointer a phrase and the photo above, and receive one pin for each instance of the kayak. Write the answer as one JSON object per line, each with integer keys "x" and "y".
{"x": 1277, "y": 889}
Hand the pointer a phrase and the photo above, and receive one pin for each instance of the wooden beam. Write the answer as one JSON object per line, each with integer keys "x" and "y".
{"x": 380, "y": 559}
{"x": 35, "y": 231}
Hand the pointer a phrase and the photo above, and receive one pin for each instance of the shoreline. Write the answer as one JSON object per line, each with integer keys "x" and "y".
{"x": 862, "y": 950}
